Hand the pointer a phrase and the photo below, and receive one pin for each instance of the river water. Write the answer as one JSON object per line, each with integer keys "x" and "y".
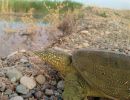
{"x": 16, "y": 36}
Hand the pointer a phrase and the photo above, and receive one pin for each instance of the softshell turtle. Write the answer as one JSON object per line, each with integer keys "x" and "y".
{"x": 89, "y": 72}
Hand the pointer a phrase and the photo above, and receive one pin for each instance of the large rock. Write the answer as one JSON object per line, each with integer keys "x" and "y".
{"x": 14, "y": 75}
{"x": 28, "y": 82}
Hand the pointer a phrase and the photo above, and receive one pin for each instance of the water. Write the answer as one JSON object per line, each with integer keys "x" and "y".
{"x": 12, "y": 41}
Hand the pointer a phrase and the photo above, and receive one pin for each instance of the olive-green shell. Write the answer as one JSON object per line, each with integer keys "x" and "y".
{"x": 106, "y": 71}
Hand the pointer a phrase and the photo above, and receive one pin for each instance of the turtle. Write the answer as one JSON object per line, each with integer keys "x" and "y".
{"x": 91, "y": 72}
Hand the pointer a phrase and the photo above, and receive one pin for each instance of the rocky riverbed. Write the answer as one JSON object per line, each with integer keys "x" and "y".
{"x": 25, "y": 77}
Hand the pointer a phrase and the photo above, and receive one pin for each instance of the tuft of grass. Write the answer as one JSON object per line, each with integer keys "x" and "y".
{"x": 103, "y": 14}
{"x": 64, "y": 18}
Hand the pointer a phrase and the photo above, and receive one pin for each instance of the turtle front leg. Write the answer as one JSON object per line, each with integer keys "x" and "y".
{"x": 73, "y": 89}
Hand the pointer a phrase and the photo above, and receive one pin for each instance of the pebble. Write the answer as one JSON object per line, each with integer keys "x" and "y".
{"x": 49, "y": 92}
{"x": 8, "y": 92}
{"x": 13, "y": 95}
{"x": 28, "y": 82}
{"x": 60, "y": 85}
{"x": 40, "y": 79}
{"x": 17, "y": 98}
{"x": 4, "y": 97}
{"x": 45, "y": 98}
{"x": 45, "y": 86}
{"x": 56, "y": 93}
{"x": 53, "y": 98}
{"x": 2, "y": 74}
{"x": 13, "y": 75}
{"x": 2, "y": 86}
{"x": 22, "y": 89}
{"x": 29, "y": 94}
{"x": 53, "y": 82}
{"x": 24, "y": 60}
{"x": 38, "y": 94}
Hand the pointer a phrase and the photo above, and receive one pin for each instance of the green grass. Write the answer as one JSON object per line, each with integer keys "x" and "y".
{"x": 25, "y": 5}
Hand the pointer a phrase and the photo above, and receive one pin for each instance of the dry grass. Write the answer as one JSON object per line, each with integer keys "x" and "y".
{"x": 66, "y": 21}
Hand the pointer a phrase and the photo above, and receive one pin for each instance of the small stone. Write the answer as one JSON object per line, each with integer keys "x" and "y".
{"x": 45, "y": 86}
{"x": 38, "y": 94}
{"x": 28, "y": 82}
{"x": 28, "y": 65}
{"x": 60, "y": 85}
{"x": 56, "y": 93}
{"x": 2, "y": 74}
{"x": 8, "y": 92}
{"x": 53, "y": 82}
{"x": 14, "y": 75}
{"x": 24, "y": 60}
{"x": 2, "y": 86}
{"x": 13, "y": 95}
{"x": 49, "y": 92}
{"x": 53, "y": 98}
{"x": 40, "y": 79}
{"x": 59, "y": 98}
{"x": 29, "y": 94}
{"x": 17, "y": 98}
{"x": 45, "y": 98}
{"x": 22, "y": 89}
{"x": 84, "y": 32}
{"x": 4, "y": 97}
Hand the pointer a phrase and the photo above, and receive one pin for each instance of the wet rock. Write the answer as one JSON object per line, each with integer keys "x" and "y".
{"x": 2, "y": 86}
{"x": 38, "y": 94}
{"x": 17, "y": 98}
{"x": 49, "y": 92}
{"x": 28, "y": 82}
{"x": 8, "y": 92}
{"x": 22, "y": 89}
{"x": 60, "y": 85}
{"x": 40, "y": 79}
{"x": 14, "y": 75}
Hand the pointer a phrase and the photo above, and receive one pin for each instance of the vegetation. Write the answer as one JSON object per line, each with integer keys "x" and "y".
{"x": 39, "y": 6}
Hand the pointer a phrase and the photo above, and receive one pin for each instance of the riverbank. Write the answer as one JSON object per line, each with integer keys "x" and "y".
{"x": 105, "y": 29}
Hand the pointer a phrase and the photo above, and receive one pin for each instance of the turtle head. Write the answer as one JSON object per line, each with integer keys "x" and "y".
{"x": 57, "y": 58}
